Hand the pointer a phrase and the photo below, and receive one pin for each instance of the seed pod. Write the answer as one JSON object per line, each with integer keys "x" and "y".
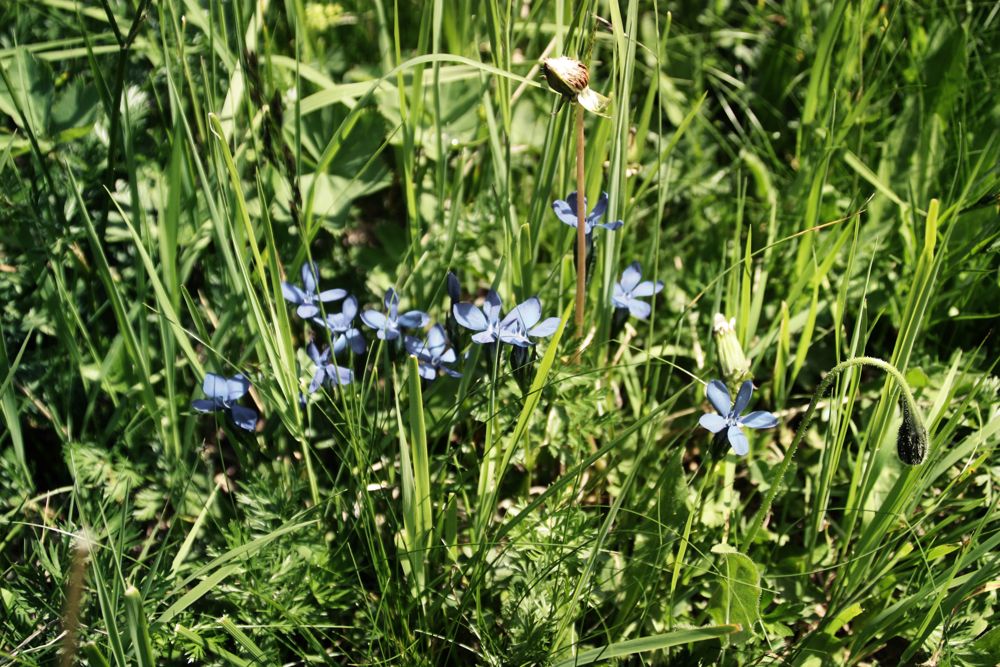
{"x": 566, "y": 76}
{"x": 911, "y": 440}
{"x": 733, "y": 362}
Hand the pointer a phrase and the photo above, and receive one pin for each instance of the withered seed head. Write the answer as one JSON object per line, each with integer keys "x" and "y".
{"x": 566, "y": 76}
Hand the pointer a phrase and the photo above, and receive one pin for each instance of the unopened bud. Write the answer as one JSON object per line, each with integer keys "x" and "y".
{"x": 732, "y": 362}
{"x": 566, "y": 76}
{"x": 911, "y": 440}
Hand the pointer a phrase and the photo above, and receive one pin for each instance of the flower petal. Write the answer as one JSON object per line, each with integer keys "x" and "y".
{"x": 492, "y": 306}
{"x": 214, "y": 386}
{"x": 245, "y": 418}
{"x": 600, "y": 208}
{"x": 313, "y": 352}
{"x": 391, "y": 299}
{"x": 307, "y": 310}
{"x": 718, "y": 396}
{"x": 648, "y": 288}
{"x": 340, "y": 375}
{"x": 759, "y": 419}
{"x": 451, "y": 372}
{"x": 545, "y": 328}
{"x": 349, "y": 308}
{"x": 335, "y": 294}
{"x": 631, "y": 277}
{"x": 566, "y": 210}
{"x": 414, "y": 319}
{"x": 483, "y": 337}
{"x": 207, "y": 404}
{"x": 387, "y": 334}
{"x": 639, "y": 309}
{"x": 470, "y": 317}
{"x": 610, "y": 226}
{"x": 309, "y": 277}
{"x": 292, "y": 293}
{"x": 712, "y": 422}
{"x": 527, "y": 313}
{"x": 427, "y": 371}
{"x": 356, "y": 340}
{"x": 436, "y": 339}
{"x": 374, "y": 319}
{"x": 317, "y": 381}
{"x": 448, "y": 356}
{"x": 743, "y": 397}
{"x": 236, "y": 386}
{"x": 738, "y": 441}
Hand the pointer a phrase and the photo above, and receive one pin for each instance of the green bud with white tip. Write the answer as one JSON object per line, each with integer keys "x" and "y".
{"x": 733, "y": 364}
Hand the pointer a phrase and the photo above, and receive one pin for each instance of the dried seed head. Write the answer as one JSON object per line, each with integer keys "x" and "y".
{"x": 911, "y": 440}
{"x": 566, "y": 76}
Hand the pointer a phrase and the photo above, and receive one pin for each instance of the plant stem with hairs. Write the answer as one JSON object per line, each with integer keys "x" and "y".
{"x": 911, "y": 431}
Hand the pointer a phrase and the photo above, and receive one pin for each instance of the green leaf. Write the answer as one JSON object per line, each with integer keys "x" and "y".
{"x": 737, "y": 597}
{"x": 651, "y": 643}
{"x": 26, "y": 90}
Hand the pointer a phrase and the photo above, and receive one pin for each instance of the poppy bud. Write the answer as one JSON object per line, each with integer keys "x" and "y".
{"x": 911, "y": 440}
{"x": 733, "y": 363}
{"x": 566, "y": 76}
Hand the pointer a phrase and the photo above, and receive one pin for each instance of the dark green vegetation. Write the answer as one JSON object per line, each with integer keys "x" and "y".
{"x": 823, "y": 172}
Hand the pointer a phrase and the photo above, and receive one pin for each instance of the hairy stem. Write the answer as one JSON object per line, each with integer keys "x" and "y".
{"x": 758, "y": 520}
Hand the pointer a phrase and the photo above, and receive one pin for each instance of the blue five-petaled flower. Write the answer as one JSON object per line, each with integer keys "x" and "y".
{"x": 433, "y": 353}
{"x": 342, "y": 329}
{"x": 566, "y": 211}
{"x": 222, "y": 395}
{"x": 386, "y": 325}
{"x": 307, "y": 298}
{"x": 729, "y": 415}
{"x": 326, "y": 371}
{"x": 631, "y": 286}
{"x": 517, "y": 328}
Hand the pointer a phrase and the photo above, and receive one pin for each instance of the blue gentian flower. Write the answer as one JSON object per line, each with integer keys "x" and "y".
{"x": 342, "y": 329}
{"x": 222, "y": 395}
{"x": 326, "y": 371}
{"x": 454, "y": 293}
{"x": 729, "y": 415}
{"x": 630, "y": 287}
{"x": 433, "y": 353}
{"x": 386, "y": 325}
{"x": 566, "y": 211}
{"x": 307, "y": 297}
{"x": 515, "y": 329}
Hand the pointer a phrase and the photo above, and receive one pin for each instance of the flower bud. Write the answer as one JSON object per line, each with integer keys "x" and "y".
{"x": 733, "y": 363}
{"x": 911, "y": 440}
{"x": 566, "y": 76}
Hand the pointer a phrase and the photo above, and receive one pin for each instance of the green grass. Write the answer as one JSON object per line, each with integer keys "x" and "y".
{"x": 825, "y": 174}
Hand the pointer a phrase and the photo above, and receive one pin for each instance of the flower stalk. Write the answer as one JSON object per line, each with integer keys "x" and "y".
{"x": 911, "y": 428}
{"x": 581, "y": 225}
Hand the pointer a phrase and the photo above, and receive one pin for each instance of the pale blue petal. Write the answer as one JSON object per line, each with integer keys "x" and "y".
{"x": 639, "y": 309}
{"x": 527, "y": 313}
{"x": 712, "y": 422}
{"x": 236, "y": 386}
{"x": 307, "y": 310}
{"x": 214, "y": 386}
{"x": 335, "y": 294}
{"x": 492, "y": 306}
{"x": 759, "y": 419}
{"x": 610, "y": 226}
{"x": 647, "y": 288}
{"x": 414, "y": 319}
{"x": 631, "y": 277}
{"x": 292, "y": 293}
{"x": 356, "y": 340}
{"x": 349, "y": 309}
{"x": 427, "y": 372}
{"x": 309, "y": 277}
{"x": 545, "y": 328}
{"x": 738, "y": 441}
{"x": 207, "y": 404}
{"x": 483, "y": 337}
{"x": 317, "y": 381}
{"x": 566, "y": 210}
{"x": 470, "y": 317}
{"x": 374, "y": 319}
{"x": 718, "y": 396}
{"x": 340, "y": 375}
{"x": 600, "y": 208}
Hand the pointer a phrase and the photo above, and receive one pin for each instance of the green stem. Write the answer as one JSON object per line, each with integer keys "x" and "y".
{"x": 682, "y": 549}
{"x": 758, "y": 520}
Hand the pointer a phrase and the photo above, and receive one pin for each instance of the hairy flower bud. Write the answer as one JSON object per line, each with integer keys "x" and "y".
{"x": 911, "y": 440}
{"x": 733, "y": 363}
{"x": 566, "y": 76}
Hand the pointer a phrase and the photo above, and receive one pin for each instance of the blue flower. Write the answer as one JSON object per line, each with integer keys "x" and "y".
{"x": 222, "y": 395}
{"x": 307, "y": 298}
{"x": 433, "y": 353}
{"x": 517, "y": 328}
{"x": 341, "y": 326}
{"x": 630, "y": 287}
{"x": 729, "y": 415}
{"x": 326, "y": 371}
{"x": 386, "y": 325}
{"x": 566, "y": 211}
